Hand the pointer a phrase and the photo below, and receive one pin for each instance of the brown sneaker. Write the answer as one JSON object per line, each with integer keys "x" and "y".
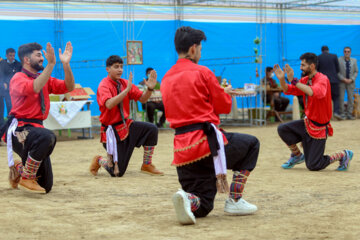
{"x": 31, "y": 185}
{"x": 94, "y": 166}
{"x": 150, "y": 169}
{"x": 14, "y": 175}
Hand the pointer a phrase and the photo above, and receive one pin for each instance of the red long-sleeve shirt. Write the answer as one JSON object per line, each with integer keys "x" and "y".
{"x": 108, "y": 89}
{"x": 191, "y": 94}
{"x": 26, "y": 103}
{"x": 318, "y": 107}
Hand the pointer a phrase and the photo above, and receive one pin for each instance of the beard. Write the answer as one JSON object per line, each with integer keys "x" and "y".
{"x": 306, "y": 72}
{"x": 36, "y": 66}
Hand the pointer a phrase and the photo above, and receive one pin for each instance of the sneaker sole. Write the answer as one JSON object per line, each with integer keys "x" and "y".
{"x": 32, "y": 191}
{"x": 231, "y": 213}
{"x": 182, "y": 215}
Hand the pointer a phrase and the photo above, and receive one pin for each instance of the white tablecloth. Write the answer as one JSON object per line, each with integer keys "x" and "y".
{"x": 64, "y": 112}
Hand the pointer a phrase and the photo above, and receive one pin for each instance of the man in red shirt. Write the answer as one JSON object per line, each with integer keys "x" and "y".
{"x": 25, "y": 133}
{"x": 119, "y": 134}
{"x": 315, "y": 89}
{"x": 193, "y": 100}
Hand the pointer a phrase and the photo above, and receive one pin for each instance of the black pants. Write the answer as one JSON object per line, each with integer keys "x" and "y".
{"x": 199, "y": 177}
{"x": 281, "y": 103}
{"x": 140, "y": 134}
{"x": 335, "y": 97}
{"x": 6, "y": 97}
{"x": 295, "y": 132}
{"x": 150, "y": 110}
{"x": 39, "y": 144}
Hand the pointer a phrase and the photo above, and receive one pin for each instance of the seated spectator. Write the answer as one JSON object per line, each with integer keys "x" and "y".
{"x": 280, "y": 103}
{"x": 154, "y": 102}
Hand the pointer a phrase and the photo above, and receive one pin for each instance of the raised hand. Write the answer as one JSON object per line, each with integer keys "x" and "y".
{"x": 50, "y": 54}
{"x": 289, "y": 72}
{"x": 279, "y": 72}
{"x": 66, "y": 56}
{"x": 129, "y": 85}
{"x": 151, "y": 82}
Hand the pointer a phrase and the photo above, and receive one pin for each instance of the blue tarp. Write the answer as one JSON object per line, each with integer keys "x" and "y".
{"x": 96, "y": 40}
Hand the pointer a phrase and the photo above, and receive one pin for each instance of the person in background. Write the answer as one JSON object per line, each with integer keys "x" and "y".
{"x": 280, "y": 103}
{"x": 329, "y": 65}
{"x": 347, "y": 75}
{"x": 154, "y": 103}
{"x": 8, "y": 68}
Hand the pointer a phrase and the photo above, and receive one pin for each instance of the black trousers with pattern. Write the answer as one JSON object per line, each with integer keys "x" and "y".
{"x": 39, "y": 144}
{"x": 199, "y": 177}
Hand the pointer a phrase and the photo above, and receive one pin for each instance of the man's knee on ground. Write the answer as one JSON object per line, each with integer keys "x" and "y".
{"x": 314, "y": 166}
{"x": 203, "y": 211}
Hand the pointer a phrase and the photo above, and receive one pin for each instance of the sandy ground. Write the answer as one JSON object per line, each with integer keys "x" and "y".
{"x": 293, "y": 204}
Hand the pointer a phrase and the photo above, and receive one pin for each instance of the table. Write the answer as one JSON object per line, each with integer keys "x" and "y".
{"x": 240, "y": 116}
{"x": 70, "y": 115}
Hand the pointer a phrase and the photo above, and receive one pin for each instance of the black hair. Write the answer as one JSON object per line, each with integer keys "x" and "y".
{"x": 185, "y": 37}
{"x": 347, "y": 47}
{"x": 10, "y": 50}
{"x": 310, "y": 58}
{"x": 113, "y": 59}
{"x": 149, "y": 69}
{"x": 26, "y": 50}
{"x": 324, "y": 48}
{"x": 269, "y": 69}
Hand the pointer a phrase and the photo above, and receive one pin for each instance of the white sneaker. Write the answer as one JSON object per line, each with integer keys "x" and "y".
{"x": 241, "y": 207}
{"x": 183, "y": 208}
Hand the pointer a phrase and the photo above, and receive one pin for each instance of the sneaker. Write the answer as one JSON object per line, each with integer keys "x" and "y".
{"x": 31, "y": 185}
{"x": 95, "y": 166}
{"x": 350, "y": 117}
{"x": 345, "y": 161}
{"x": 293, "y": 160}
{"x": 182, "y": 207}
{"x": 241, "y": 207}
{"x": 14, "y": 175}
{"x": 150, "y": 169}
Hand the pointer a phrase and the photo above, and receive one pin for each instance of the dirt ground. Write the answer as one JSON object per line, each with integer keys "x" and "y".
{"x": 293, "y": 204}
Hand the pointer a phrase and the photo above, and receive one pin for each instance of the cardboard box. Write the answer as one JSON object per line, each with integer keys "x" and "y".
{"x": 79, "y": 93}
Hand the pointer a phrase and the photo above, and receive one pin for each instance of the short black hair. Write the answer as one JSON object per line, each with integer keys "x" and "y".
{"x": 185, "y": 37}
{"x": 310, "y": 58}
{"x": 269, "y": 69}
{"x": 10, "y": 50}
{"x": 324, "y": 48}
{"x": 26, "y": 50}
{"x": 113, "y": 59}
{"x": 347, "y": 47}
{"x": 149, "y": 69}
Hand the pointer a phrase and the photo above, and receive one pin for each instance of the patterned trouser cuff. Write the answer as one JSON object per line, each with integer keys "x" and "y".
{"x": 30, "y": 169}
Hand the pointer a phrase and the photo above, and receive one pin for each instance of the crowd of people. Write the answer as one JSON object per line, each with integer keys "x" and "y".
{"x": 192, "y": 99}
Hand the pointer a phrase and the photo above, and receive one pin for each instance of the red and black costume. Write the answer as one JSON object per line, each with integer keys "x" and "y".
{"x": 129, "y": 133}
{"x": 30, "y": 109}
{"x": 193, "y": 98}
{"x": 314, "y": 129}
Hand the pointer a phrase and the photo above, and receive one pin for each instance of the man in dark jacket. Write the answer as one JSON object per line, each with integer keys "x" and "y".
{"x": 329, "y": 65}
{"x": 8, "y": 67}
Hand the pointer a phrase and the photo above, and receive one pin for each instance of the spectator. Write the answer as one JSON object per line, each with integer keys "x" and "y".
{"x": 280, "y": 103}
{"x": 329, "y": 65}
{"x": 347, "y": 75}
{"x": 8, "y": 68}
{"x": 154, "y": 102}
